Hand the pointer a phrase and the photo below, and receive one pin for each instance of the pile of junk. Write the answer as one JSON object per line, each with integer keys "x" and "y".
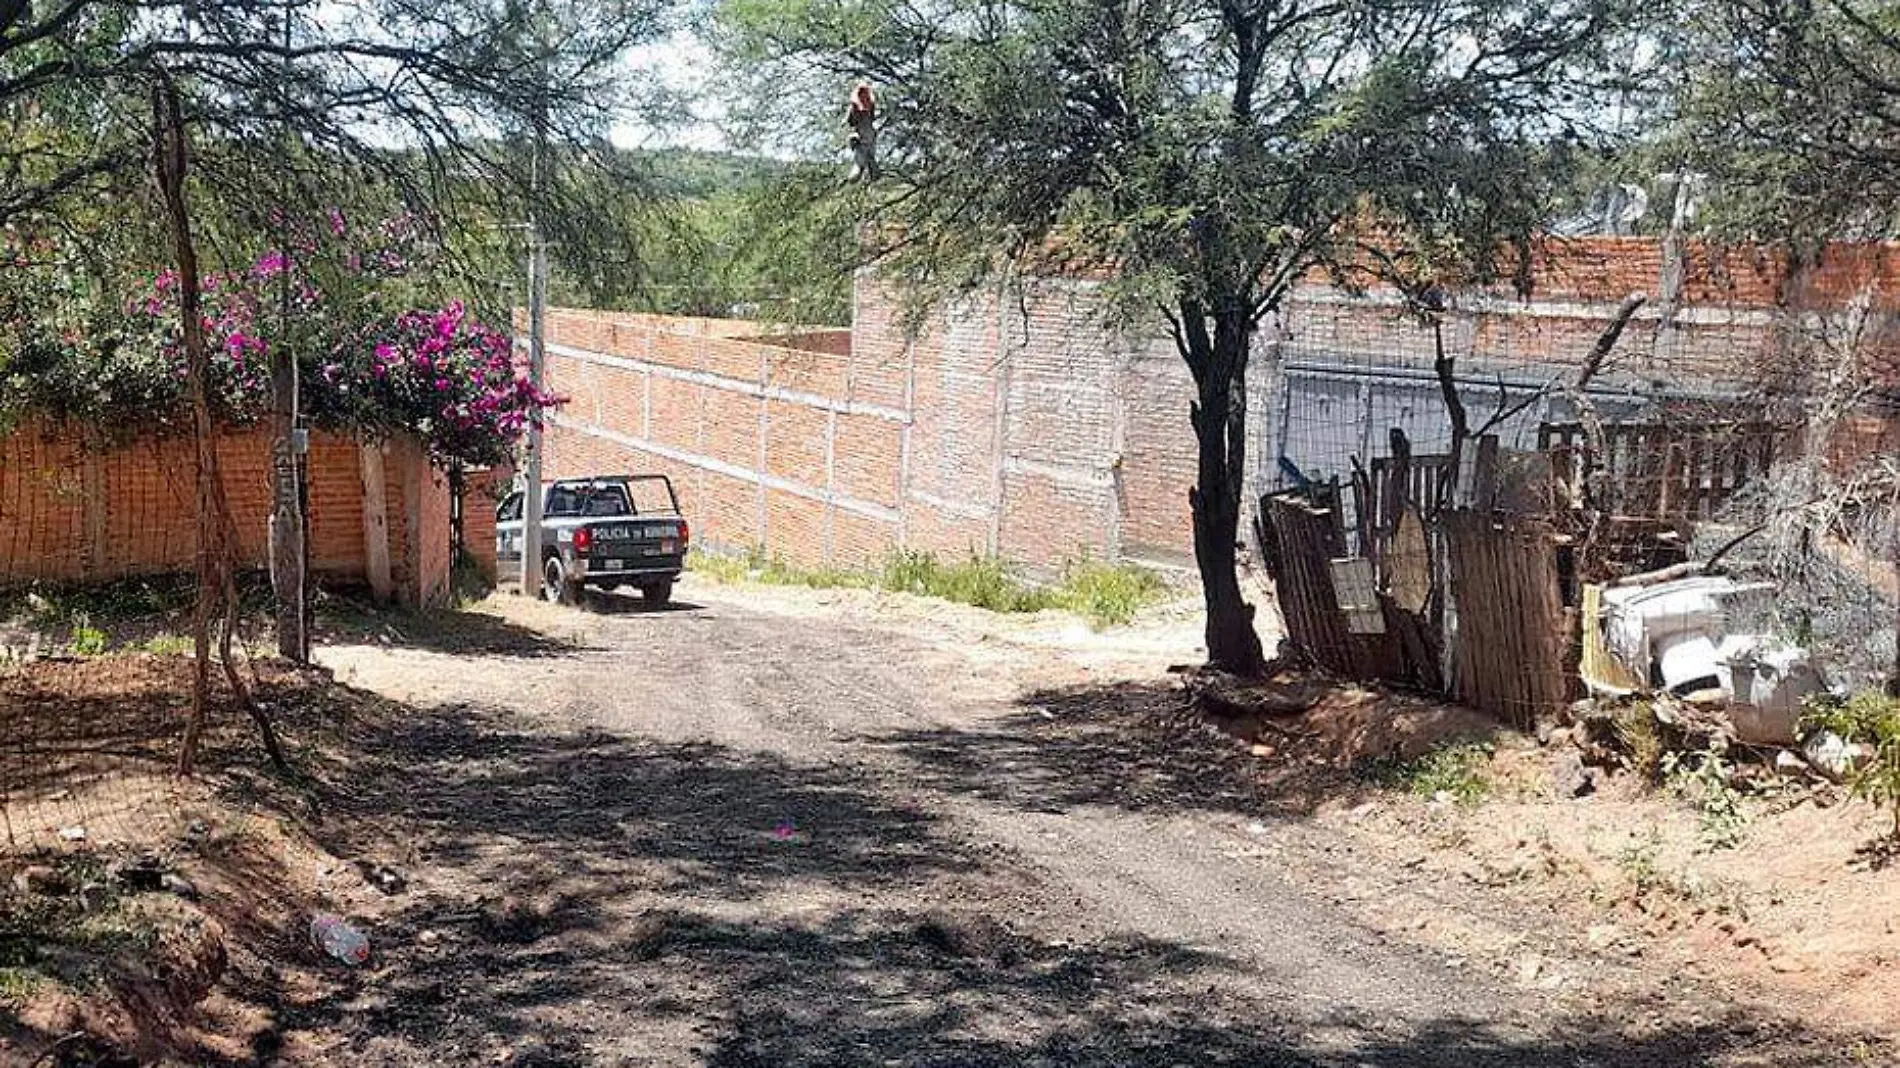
{"x": 1697, "y": 636}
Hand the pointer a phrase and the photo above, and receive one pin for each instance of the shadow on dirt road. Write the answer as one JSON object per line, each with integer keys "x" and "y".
{"x": 593, "y": 898}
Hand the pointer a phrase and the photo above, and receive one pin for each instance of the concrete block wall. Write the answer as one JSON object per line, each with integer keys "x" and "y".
{"x": 994, "y": 431}
{"x": 1020, "y": 423}
{"x": 796, "y": 447}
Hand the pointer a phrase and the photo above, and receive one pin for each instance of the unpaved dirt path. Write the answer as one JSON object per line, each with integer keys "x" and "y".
{"x": 768, "y": 828}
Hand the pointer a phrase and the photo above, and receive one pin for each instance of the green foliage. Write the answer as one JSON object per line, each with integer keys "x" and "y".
{"x": 744, "y": 249}
{"x": 1638, "y": 861}
{"x": 1871, "y": 719}
{"x": 167, "y": 645}
{"x": 1202, "y": 157}
{"x": 1641, "y": 862}
{"x": 468, "y": 583}
{"x": 1460, "y": 769}
{"x": 719, "y": 567}
{"x": 1104, "y": 594}
{"x": 88, "y": 640}
{"x": 1788, "y": 108}
{"x": 1196, "y": 146}
{"x": 72, "y": 935}
{"x": 17, "y": 983}
{"x": 1107, "y": 595}
{"x": 1642, "y": 739}
{"x": 371, "y": 365}
{"x": 111, "y": 603}
{"x": 1705, "y": 779}
{"x": 982, "y": 581}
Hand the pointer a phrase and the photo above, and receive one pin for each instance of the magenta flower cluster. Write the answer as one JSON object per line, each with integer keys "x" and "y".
{"x": 367, "y": 366}
{"x": 460, "y": 377}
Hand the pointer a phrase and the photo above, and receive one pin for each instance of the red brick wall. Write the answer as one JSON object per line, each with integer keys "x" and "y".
{"x": 482, "y": 492}
{"x": 1028, "y": 427}
{"x": 69, "y": 512}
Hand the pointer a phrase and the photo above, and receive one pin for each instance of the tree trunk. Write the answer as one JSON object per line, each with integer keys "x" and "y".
{"x": 217, "y": 589}
{"x": 1219, "y": 364}
{"x": 169, "y": 165}
{"x": 1893, "y": 679}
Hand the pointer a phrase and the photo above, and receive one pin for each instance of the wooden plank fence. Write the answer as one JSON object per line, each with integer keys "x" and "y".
{"x": 1669, "y": 470}
{"x": 1512, "y": 644}
{"x": 1305, "y": 540}
{"x": 1512, "y": 636}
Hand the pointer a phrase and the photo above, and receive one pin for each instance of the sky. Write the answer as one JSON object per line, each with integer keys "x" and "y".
{"x": 683, "y": 65}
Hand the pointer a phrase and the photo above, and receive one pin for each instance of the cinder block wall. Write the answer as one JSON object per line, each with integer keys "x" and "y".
{"x": 1024, "y": 423}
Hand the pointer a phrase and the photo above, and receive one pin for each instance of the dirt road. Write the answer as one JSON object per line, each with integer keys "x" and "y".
{"x": 754, "y": 830}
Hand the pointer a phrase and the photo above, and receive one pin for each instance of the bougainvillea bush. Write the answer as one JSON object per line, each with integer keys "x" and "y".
{"x": 373, "y": 359}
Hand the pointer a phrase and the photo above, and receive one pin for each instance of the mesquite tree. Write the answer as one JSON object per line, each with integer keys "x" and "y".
{"x": 1208, "y": 154}
{"x": 1793, "y": 108}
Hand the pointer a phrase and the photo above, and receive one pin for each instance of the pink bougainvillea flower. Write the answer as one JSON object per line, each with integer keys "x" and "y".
{"x": 448, "y": 320}
{"x": 270, "y": 265}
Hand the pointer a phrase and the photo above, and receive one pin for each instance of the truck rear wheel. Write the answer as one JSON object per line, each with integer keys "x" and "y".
{"x": 657, "y": 593}
{"x": 555, "y": 585}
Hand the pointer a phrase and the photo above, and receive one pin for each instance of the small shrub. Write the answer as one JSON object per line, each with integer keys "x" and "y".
{"x": 168, "y": 645}
{"x": 1107, "y": 595}
{"x": 468, "y": 583}
{"x": 1641, "y": 862}
{"x": 49, "y": 606}
{"x": 985, "y": 582}
{"x": 837, "y": 578}
{"x": 1638, "y": 861}
{"x": 1459, "y": 770}
{"x": 981, "y": 581}
{"x": 716, "y": 566}
{"x": 17, "y": 984}
{"x": 1871, "y": 719}
{"x": 88, "y": 640}
{"x": 1704, "y": 779}
{"x": 1642, "y": 738}
{"x": 908, "y": 571}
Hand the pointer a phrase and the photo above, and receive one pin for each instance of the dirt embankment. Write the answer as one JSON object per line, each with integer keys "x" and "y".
{"x": 146, "y": 917}
{"x": 1739, "y": 874}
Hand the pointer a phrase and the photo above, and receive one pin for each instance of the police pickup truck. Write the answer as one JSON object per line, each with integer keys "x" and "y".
{"x": 606, "y": 532}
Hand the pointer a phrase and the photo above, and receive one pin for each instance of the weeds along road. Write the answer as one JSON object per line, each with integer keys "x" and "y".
{"x": 763, "y": 829}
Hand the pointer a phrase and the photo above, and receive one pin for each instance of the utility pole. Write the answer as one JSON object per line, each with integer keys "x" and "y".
{"x": 288, "y": 443}
{"x": 537, "y": 334}
{"x": 537, "y": 365}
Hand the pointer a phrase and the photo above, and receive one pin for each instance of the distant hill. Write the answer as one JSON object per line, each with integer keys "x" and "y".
{"x": 694, "y": 174}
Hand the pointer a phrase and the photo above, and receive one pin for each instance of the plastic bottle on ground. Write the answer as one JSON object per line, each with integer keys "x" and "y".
{"x": 339, "y": 939}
